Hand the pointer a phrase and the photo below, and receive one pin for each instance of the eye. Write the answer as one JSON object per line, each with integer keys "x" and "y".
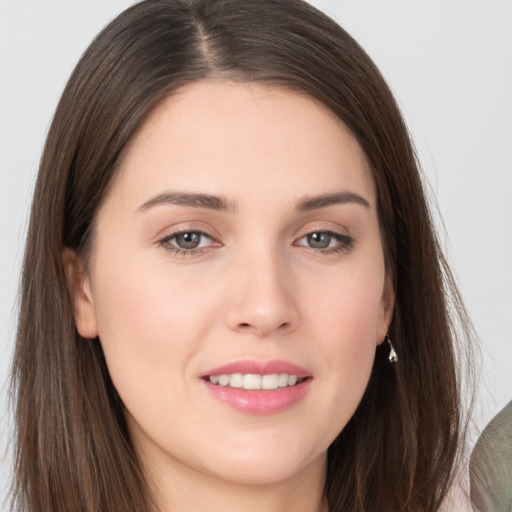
{"x": 326, "y": 241}
{"x": 187, "y": 242}
{"x": 320, "y": 240}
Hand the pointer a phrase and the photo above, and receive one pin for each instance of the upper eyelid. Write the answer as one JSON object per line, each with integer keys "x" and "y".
{"x": 322, "y": 223}
{"x": 322, "y": 230}
{"x": 188, "y": 230}
{"x": 174, "y": 234}
{"x": 317, "y": 229}
{"x": 170, "y": 232}
{"x": 335, "y": 234}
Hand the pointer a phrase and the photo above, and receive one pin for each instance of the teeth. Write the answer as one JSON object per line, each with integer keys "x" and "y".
{"x": 254, "y": 381}
{"x": 282, "y": 380}
{"x": 292, "y": 380}
{"x": 236, "y": 380}
{"x": 269, "y": 381}
{"x": 223, "y": 380}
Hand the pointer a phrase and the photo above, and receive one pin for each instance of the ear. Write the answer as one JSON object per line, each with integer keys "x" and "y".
{"x": 387, "y": 308}
{"x": 80, "y": 290}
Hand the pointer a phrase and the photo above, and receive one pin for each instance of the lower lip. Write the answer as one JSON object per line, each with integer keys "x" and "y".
{"x": 259, "y": 401}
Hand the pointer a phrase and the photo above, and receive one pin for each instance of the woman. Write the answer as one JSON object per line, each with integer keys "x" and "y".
{"x": 228, "y": 223}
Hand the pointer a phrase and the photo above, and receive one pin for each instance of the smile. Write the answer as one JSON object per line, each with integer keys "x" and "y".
{"x": 251, "y": 381}
{"x": 258, "y": 387}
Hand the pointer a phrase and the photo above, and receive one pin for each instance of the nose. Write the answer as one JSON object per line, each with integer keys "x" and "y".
{"x": 262, "y": 300}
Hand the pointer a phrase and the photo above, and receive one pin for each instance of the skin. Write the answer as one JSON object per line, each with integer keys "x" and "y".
{"x": 258, "y": 289}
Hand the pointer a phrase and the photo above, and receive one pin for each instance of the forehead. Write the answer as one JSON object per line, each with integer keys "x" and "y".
{"x": 218, "y": 135}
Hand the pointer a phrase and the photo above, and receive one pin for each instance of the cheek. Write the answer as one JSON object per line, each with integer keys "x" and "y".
{"x": 347, "y": 306}
{"x": 349, "y": 339}
{"x": 149, "y": 329}
{"x": 137, "y": 302}
{"x": 345, "y": 322}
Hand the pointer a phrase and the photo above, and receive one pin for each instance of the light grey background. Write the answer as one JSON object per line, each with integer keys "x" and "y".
{"x": 450, "y": 65}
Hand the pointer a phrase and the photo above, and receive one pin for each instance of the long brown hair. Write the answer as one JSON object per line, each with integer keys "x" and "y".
{"x": 74, "y": 450}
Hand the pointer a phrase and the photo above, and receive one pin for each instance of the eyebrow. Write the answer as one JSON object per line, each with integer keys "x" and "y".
{"x": 220, "y": 203}
{"x": 312, "y": 203}
{"x": 195, "y": 200}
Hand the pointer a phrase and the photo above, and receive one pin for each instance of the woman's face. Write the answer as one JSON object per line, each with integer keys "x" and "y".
{"x": 238, "y": 246}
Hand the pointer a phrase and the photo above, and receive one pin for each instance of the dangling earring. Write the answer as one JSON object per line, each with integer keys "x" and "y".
{"x": 392, "y": 357}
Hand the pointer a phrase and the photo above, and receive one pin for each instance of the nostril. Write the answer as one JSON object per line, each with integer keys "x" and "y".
{"x": 247, "y": 325}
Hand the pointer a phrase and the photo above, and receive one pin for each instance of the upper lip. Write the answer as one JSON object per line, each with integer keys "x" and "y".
{"x": 259, "y": 368}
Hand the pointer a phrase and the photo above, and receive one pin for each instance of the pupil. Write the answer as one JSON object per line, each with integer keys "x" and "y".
{"x": 319, "y": 240}
{"x": 188, "y": 240}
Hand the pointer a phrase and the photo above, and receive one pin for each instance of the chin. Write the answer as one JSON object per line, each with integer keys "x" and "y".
{"x": 268, "y": 471}
{"x": 266, "y": 462}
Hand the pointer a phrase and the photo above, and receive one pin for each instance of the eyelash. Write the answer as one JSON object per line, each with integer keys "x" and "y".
{"x": 179, "y": 251}
{"x": 345, "y": 242}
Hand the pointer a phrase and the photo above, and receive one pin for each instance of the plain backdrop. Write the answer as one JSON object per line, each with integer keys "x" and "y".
{"x": 449, "y": 63}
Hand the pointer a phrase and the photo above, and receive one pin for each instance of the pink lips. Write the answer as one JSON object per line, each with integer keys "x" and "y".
{"x": 259, "y": 401}
{"x": 259, "y": 367}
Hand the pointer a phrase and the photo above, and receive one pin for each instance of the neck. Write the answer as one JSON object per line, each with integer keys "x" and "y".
{"x": 183, "y": 488}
